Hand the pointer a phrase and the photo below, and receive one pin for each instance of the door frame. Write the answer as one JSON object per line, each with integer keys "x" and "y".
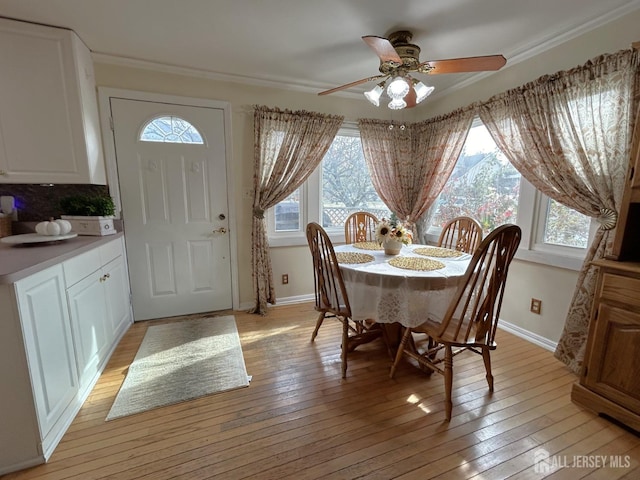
{"x": 108, "y": 139}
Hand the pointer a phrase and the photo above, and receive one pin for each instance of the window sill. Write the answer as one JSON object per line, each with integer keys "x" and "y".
{"x": 550, "y": 259}
{"x": 297, "y": 239}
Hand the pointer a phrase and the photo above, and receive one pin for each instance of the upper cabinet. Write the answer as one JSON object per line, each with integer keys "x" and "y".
{"x": 49, "y": 124}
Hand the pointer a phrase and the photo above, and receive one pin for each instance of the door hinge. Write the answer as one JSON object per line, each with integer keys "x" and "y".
{"x": 111, "y": 123}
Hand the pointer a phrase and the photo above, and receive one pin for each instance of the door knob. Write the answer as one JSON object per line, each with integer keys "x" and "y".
{"x": 220, "y": 230}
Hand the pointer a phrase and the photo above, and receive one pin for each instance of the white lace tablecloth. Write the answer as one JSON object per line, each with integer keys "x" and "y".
{"x": 388, "y": 294}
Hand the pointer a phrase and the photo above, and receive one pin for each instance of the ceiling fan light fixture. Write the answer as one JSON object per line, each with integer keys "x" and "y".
{"x": 374, "y": 94}
{"x": 398, "y": 88}
{"x": 422, "y": 90}
{"x": 397, "y": 104}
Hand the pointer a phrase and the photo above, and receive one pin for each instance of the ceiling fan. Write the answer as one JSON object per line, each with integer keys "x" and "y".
{"x": 399, "y": 59}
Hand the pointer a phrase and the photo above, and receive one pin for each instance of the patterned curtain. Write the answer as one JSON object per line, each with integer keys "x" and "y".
{"x": 410, "y": 163}
{"x": 569, "y": 134}
{"x": 288, "y": 147}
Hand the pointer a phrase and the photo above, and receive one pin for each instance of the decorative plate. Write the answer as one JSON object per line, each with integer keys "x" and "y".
{"x": 35, "y": 238}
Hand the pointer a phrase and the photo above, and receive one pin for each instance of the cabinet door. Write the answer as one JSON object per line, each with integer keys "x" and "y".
{"x": 91, "y": 325}
{"x": 611, "y": 370}
{"x": 116, "y": 286}
{"x": 47, "y": 334}
{"x": 42, "y": 119}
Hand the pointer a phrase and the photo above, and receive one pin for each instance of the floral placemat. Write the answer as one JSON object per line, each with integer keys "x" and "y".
{"x": 438, "y": 252}
{"x": 354, "y": 257}
{"x": 416, "y": 263}
{"x": 368, "y": 245}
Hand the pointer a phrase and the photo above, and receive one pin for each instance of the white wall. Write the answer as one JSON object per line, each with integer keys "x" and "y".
{"x": 553, "y": 286}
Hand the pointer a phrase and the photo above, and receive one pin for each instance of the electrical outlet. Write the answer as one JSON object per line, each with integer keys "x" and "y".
{"x": 536, "y": 306}
{"x": 285, "y": 278}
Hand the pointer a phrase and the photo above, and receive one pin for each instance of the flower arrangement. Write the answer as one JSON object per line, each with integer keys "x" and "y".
{"x": 393, "y": 229}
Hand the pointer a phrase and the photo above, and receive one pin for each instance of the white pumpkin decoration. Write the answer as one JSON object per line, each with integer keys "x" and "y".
{"x": 53, "y": 227}
{"x": 65, "y": 226}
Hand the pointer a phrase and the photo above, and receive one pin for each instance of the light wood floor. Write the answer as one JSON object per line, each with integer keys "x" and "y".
{"x": 298, "y": 419}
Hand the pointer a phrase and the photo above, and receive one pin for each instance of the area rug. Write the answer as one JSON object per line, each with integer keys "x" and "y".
{"x": 181, "y": 361}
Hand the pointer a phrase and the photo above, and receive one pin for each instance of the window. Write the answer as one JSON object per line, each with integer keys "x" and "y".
{"x": 340, "y": 186}
{"x": 346, "y": 184}
{"x": 485, "y": 186}
{"x": 287, "y": 214}
{"x": 170, "y": 130}
{"x": 563, "y": 226}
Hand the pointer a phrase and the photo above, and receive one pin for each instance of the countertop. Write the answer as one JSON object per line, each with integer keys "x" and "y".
{"x": 20, "y": 261}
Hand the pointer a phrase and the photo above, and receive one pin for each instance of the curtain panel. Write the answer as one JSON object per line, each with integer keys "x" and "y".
{"x": 410, "y": 163}
{"x": 569, "y": 134}
{"x": 288, "y": 146}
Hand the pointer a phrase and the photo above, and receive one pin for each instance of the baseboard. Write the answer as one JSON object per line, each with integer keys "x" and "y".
{"x": 527, "y": 335}
{"x": 283, "y": 301}
{"x": 296, "y": 299}
{"x": 506, "y": 326}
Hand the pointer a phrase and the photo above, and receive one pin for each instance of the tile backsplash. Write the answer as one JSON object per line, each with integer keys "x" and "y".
{"x": 36, "y": 202}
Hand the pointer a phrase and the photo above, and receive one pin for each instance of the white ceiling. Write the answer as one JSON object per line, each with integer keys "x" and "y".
{"x": 315, "y": 45}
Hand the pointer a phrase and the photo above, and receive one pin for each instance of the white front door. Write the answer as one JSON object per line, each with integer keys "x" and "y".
{"x": 174, "y": 206}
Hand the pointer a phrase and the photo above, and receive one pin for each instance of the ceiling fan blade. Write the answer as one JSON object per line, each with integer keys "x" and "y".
{"x": 468, "y": 64}
{"x": 383, "y": 48}
{"x": 352, "y": 84}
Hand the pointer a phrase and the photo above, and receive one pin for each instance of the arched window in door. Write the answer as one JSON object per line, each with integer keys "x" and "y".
{"x": 170, "y": 130}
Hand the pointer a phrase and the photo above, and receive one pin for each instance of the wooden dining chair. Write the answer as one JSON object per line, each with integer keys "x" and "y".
{"x": 461, "y": 233}
{"x": 472, "y": 317}
{"x": 331, "y": 294}
{"x": 360, "y": 227}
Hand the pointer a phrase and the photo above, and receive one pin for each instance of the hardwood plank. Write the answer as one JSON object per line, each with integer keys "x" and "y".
{"x": 299, "y": 419}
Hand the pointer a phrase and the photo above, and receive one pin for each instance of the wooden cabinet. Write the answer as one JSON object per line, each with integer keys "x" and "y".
{"x": 49, "y": 124}
{"x": 58, "y": 330}
{"x": 625, "y": 244}
{"x": 609, "y": 383}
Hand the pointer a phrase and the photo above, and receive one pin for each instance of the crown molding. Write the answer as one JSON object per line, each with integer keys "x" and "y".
{"x": 280, "y": 84}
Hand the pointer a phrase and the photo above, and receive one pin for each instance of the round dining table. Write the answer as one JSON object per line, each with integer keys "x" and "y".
{"x": 407, "y": 288}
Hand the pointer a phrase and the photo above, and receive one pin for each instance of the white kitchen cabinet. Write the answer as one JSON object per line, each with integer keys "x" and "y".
{"x": 59, "y": 327}
{"x": 49, "y": 124}
{"x": 88, "y": 311}
{"x": 98, "y": 305}
{"x": 44, "y": 316}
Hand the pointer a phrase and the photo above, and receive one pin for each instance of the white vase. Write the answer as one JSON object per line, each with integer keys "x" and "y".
{"x": 392, "y": 246}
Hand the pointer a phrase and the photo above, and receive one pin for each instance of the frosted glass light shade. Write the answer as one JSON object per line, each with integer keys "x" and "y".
{"x": 398, "y": 88}
{"x": 397, "y": 104}
{"x": 374, "y": 94}
{"x": 422, "y": 91}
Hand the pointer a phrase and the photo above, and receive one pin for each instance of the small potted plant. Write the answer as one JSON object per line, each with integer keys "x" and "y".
{"x": 89, "y": 215}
